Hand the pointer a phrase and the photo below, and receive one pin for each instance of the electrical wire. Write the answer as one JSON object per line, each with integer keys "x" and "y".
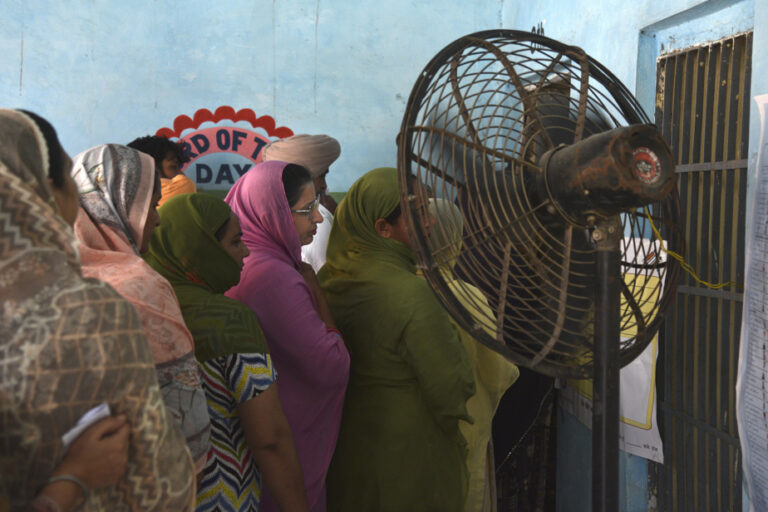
{"x": 684, "y": 264}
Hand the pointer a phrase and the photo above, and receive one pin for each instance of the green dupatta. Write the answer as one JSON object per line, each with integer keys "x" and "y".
{"x": 363, "y": 266}
{"x": 184, "y": 249}
{"x": 409, "y": 374}
{"x": 353, "y": 241}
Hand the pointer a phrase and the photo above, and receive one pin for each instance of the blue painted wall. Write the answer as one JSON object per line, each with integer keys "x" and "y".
{"x": 627, "y": 37}
{"x": 574, "y": 480}
{"x": 108, "y": 71}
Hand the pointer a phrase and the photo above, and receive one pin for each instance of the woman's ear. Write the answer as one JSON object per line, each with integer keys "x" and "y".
{"x": 383, "y": 229}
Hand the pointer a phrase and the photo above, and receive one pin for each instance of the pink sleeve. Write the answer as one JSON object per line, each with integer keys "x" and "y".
{"x": 298, "y": 338}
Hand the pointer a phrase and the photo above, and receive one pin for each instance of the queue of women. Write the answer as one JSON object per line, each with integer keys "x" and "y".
{"x": 270, "y": 351}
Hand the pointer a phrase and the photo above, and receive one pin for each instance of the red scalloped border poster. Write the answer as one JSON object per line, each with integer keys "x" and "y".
{"x": 220, "y": 144}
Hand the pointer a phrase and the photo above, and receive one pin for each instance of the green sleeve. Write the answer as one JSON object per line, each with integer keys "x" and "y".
{"x": 431, "y": 346}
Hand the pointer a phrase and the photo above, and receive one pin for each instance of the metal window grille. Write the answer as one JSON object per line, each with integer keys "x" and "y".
{"x": 702, "y": 109}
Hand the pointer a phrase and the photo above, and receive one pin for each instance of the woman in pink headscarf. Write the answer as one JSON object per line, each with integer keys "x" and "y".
{"x": 277, "y": 207}
{"x": 316, "y": 153}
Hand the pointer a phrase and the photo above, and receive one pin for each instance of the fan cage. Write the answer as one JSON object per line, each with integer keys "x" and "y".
{"x": 519, "y": 276}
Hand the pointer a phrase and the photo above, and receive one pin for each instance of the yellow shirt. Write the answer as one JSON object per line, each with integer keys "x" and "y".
{"x": 493, "y": 376}
{"x": 179, "y": 184}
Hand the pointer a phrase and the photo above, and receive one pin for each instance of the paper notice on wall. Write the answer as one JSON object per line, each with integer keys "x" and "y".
{"x": 639, "y": 431}
{"x": 751, "y": 386}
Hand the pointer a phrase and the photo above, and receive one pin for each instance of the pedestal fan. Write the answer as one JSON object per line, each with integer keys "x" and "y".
{"x": 560, "y": 180}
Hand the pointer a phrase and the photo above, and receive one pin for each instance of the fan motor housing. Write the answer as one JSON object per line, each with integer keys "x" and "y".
{"x": 607, "y": 173}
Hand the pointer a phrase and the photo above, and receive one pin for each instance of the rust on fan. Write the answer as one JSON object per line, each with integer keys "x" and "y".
{"x": 608, "y": 173}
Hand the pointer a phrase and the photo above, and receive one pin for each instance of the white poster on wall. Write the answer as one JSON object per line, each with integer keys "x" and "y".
{"x": 751, "y": 387}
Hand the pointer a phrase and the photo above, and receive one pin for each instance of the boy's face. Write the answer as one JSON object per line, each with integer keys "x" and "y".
{"x": 170, "y": 166}
{"x": 320, "y": 185}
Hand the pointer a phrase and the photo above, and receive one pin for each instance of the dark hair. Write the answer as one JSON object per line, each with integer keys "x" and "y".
{"x": 158, "y": 148}
{"x": 392, "y": 217}
{"x": 222, "y": 230}
{"x": 295, "y": 177}
{"x": 55, "y": 160}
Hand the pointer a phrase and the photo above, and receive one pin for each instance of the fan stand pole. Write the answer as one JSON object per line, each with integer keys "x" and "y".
{"x": 605, "y": 405}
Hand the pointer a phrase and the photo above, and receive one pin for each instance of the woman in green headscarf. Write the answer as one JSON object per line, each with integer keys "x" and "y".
{"x": 400, "y": 448}
{"x": 198, "y": 248}
{"x": 493, "y": 373}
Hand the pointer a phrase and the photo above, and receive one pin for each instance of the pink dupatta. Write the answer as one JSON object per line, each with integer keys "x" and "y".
{"x": 312, "y": 362}
{"x": 115, "y": 184}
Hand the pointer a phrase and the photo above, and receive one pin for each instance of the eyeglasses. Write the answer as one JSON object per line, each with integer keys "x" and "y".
{"x": 311, "y": 208}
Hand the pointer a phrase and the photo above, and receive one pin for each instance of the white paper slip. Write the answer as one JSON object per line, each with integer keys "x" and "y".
{"x": 99, "y": 412}
{"x": 751, "y": 390}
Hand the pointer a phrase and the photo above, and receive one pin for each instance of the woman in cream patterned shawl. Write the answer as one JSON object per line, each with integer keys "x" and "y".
{"x": 69, "y": 344}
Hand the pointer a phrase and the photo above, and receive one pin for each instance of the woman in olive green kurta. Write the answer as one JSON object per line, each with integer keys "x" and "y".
{"x": 400, "y": 448}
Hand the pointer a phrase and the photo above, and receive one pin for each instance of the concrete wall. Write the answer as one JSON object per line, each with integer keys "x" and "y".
{"x": 109, "y": 71}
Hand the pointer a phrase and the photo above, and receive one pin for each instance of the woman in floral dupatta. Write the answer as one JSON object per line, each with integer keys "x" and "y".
{"x": 119, "y": 190}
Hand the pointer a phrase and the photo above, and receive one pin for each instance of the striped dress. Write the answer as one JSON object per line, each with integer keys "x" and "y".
{"x": 231, "y": 479}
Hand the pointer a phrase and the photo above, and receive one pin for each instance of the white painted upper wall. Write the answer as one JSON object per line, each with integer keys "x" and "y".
{"x": 109, "y": 71}
{"x": 610, "y": 30}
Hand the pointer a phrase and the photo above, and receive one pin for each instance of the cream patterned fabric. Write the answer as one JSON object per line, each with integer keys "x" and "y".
{"x": 67, "y": 345}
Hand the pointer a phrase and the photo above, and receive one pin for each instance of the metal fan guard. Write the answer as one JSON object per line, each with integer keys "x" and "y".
{"x": 520, "y": 275}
